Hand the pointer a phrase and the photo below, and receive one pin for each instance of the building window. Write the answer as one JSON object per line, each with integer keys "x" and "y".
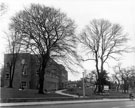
{"x": 24, "y": 72}
{"x": 24, "y": 84}
{"x": 37, "y": 62}
{"x": 37, "y": 72}
{"x": 7, "y": 64}
{"x": 7, "y": 76}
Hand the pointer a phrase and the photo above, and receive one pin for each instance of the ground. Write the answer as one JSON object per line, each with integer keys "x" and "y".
{"x": 15, "y": 95}
{"x": 26, "y": 93}
{"x": 12, "y": 94}
{"x": 89, "y": 93}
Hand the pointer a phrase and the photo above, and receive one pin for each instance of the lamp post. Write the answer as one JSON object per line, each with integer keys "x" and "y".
{"x": 83, "y": 85}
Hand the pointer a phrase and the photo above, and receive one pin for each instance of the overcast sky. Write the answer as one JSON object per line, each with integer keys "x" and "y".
{"x": 82, "y": 12}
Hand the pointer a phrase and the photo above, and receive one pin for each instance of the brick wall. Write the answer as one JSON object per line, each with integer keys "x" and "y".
{"x": 26, "y": 71}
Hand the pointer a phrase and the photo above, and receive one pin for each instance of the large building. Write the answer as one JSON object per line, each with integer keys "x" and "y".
{"x": 26, "y": 73}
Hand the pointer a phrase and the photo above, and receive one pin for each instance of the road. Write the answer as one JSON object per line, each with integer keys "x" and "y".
{"x": 121, "y": 104}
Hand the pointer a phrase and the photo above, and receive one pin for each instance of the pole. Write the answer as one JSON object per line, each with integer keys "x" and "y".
{"x": 83, "y": 85}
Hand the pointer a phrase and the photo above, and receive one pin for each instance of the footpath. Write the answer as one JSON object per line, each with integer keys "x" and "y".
{"x": 61, "y": 102}
{"x": 61, "y": 93}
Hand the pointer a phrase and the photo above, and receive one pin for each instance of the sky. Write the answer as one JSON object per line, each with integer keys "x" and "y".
{"x": 82, "y": 12}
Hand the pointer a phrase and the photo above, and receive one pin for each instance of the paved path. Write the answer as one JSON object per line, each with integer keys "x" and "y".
{"x": 61, "y": 93}
{"x": 60, "y": 102}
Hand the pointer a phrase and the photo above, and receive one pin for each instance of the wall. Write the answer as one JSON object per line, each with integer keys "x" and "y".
{"x": 55, "y": 75}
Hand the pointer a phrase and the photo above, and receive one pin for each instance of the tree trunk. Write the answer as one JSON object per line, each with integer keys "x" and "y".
{"x": 99, "y": 86}
{"x": 10, "y": 84}
{"x": 95, "y": 90}
{"x": 12, "y": 75}
{"x": 41, "y": 84}
{"x": 118, "y": 86}
{"x": 100, "y": 77}
{"x": 41, "y": 79}
{"x": 42, "y": 73}
{"x": 98, "y": 73}
{"x": 10, "y": 72}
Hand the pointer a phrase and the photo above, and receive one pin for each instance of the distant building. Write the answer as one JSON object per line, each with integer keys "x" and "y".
{"x": 26, "y": 73}
{"x": 72, "y": 84}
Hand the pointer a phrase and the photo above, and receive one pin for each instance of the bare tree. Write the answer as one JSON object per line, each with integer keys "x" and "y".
{"x": 125, "y": 77}
{"x": 47, "y": 32}
{"x": 3, "y": 8}
{"x": 116, "y": 75}
{"x": 92, "y": 78}
{"x": 13, "y": 48}
{"x": 132, "y": 77}
{"x": 103, "y": 40}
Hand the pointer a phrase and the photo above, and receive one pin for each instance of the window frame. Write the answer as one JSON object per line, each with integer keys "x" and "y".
{"x": 23, "y": 83}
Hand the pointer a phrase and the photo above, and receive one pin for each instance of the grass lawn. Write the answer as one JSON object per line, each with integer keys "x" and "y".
{"x": 79, "y": 91}
{"x": 89, "y": 93}
{"x": 26, "y": 93}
